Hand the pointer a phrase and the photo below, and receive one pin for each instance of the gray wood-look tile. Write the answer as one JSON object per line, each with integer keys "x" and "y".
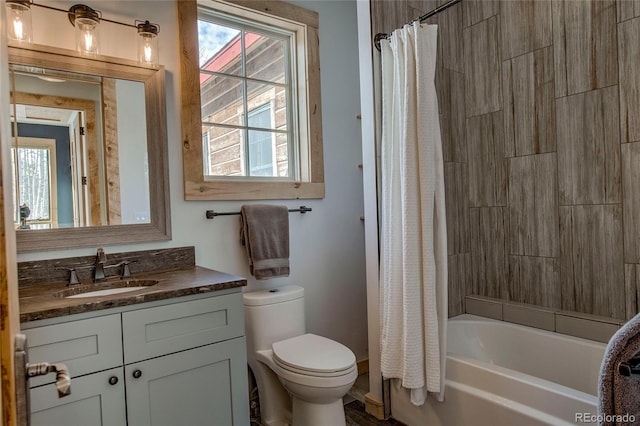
{"x": 596, "y": 281}
{"x": 451, "y": 46}
{"x": 631, "y": 289}
{"x": 534, "y": 280}
{"x": 482, "y": 67}
{"x": 484, "y": 307}
{"x": 487, "y": 162}
{"x": 474, "y": 11}
{"x": 628, "y": 9}
{"x": 631, "y": 200}
{"x": 589, "y": 148}
{"x": 585, "y": 328}
{"x": 529, "y": 104}
{"x": 424, "y": 6}
{"x": 567, "y": 276}
{"x": 488, "y": 251}
{"x": 526, "y": 26}
{"x": 459, "y": 267}
{"x": 456, "y": 177}
{"x": 533, "y": 206}
{"x": 529, "y": 315}
{"x": 387, "y": 16}
{"x": 450, "y": 89}
{"x": 585, "y": 45}
{"x": 628, "y": 36}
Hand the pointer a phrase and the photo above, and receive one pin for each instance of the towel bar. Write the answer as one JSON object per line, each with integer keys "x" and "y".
{"x": 210, "y": 214}
{"x": 630, "y": 367}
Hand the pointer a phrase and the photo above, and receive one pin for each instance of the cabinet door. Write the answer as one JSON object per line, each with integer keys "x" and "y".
{"x": 93, "y": 401}
{"x": 201, "y": 386}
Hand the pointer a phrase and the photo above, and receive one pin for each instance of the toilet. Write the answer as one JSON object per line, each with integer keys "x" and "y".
{"x": 301, "y": 377}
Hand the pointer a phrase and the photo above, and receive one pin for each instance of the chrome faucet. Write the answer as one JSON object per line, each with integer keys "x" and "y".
{"x": 98, "y": 273}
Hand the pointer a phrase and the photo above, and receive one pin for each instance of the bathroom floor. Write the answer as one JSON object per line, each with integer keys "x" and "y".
{"x": 354, "y": 406}
{"x": 354, "y": 411}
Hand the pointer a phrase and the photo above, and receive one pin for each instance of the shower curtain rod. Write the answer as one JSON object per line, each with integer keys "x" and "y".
{"x": 380, "y": 36}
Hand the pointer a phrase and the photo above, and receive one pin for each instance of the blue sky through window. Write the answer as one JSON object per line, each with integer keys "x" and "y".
{"x": 211, "y": 38}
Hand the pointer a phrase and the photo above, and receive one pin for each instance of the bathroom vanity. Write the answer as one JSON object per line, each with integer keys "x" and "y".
{"x": 171, "y": 354}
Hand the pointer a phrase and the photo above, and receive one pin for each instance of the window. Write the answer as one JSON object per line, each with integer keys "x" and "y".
{"x": 253, "y": 102}
{"x": 242, "y": 66}
{"x": 34, "y": 167}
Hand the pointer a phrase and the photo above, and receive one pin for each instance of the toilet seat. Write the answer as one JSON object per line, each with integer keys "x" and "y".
{"x": 313, "y": 355}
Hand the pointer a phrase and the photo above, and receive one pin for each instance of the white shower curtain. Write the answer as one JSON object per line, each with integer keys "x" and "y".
{"x": 413, "y": 267}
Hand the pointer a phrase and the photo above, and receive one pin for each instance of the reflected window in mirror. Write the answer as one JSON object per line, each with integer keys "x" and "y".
{"x": 35, "y": 183}
{"x": 253, "y": 102}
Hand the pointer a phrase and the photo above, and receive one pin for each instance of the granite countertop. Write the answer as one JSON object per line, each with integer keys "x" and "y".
{"x": 39, "y": 302}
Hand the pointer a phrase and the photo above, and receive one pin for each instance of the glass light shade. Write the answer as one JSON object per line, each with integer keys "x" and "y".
{"x": 147, "y": 43}
{"x": 148, "y": 48}
{"x": 19, "y": 21}
{"x": 86, "y": 21}
{"x": 87, "y": 36}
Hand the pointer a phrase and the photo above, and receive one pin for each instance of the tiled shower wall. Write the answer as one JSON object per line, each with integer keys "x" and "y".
{"x": 540, "y": 117}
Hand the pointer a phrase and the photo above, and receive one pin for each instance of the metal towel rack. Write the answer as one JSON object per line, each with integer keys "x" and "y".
{"x": 212, "y": 214}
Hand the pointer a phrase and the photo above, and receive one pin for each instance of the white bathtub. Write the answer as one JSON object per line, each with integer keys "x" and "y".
{"x": 506, "y": 374}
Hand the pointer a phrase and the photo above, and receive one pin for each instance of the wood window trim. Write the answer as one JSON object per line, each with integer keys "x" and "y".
{"x": 195, "y": 185}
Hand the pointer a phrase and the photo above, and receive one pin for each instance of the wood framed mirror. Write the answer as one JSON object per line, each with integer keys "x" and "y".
{"x": 109, "y": 182}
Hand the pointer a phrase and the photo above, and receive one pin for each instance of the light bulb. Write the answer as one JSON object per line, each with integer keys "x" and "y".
{"x": 148, "y": 54}
{"x": 17, "y": 28}
{"x": 88, "y": 42}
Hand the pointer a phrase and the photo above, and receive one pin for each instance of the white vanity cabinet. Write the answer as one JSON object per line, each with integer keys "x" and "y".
{"x": 181, "y": 363}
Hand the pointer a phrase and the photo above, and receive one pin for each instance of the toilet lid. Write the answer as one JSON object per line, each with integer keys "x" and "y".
{"x": 313, "y": 353}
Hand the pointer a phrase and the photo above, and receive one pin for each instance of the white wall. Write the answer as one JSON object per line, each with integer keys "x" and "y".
{"x": 327, "y": 245}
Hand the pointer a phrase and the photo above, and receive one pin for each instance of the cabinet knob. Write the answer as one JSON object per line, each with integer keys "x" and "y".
{"x": 113, "y": 380}
{"x": 137, "y": 374}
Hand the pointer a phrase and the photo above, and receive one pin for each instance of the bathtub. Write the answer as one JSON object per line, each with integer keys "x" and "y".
{"x": 500, "y": 373}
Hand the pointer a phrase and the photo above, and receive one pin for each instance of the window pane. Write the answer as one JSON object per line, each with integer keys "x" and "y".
{"x": 33, "y": 174}
{"x": 220, "y": 48}
{"x": 222, "y": 100}
{"x": 282, "y": 154}
{"x": 224, "y": 151}
{"x": 261, "y": 159}
{"x": 264, "y": 58}
{"x": 260, "y": 94}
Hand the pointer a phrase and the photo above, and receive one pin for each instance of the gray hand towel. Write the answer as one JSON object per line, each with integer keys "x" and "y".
{"x": 265, "y": 233}
{"x": 619, "y": 395}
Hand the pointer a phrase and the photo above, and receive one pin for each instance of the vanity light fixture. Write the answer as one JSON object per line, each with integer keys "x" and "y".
{"x": 86, "y": 21}
{"x": 19, "y": 20}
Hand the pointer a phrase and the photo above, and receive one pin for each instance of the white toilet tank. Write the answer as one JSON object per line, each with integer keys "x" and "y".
{"x": 273, "y": 315}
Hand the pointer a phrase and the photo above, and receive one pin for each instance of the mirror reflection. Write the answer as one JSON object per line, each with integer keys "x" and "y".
{"x": 79, "y": 151}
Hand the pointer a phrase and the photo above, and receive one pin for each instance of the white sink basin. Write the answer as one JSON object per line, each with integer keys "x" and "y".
{"x": 106, "y": 288}
{"x": 105, "y": 292}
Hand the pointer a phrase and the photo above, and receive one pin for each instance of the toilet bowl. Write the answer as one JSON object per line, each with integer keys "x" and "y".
{"x": 315, "y": 372}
